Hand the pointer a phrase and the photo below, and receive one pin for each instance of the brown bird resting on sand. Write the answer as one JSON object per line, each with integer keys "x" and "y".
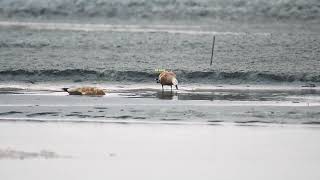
{"x": 168, "y": 78}
{"x": 89, "y": 91}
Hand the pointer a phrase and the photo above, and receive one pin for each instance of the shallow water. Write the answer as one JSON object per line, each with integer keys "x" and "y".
{"x": 147, "y": 103}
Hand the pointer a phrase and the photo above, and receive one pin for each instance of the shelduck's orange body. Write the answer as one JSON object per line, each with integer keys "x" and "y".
{"x": 168, "y": 78}
{"x": 89, "y": 91}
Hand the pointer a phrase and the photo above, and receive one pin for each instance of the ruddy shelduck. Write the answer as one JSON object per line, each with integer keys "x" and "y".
{"x": 89, "y": 91}
{"x": 168, "y": 78}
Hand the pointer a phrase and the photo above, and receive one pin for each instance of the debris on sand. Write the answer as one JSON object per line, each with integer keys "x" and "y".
{"x": 14, "y": 154}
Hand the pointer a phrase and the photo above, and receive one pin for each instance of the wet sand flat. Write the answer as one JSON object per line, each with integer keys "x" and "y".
{"x": 105, "y": 52}
{"x": 146, "y": 151}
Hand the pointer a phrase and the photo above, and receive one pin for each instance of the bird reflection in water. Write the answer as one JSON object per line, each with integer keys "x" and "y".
{"x": 168, "y": 95}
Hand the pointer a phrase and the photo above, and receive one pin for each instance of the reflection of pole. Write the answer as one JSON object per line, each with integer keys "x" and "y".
{"x": 214, "y": 39}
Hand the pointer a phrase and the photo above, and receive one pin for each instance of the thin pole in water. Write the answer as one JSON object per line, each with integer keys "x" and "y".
{"x": 214, "y": 39}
